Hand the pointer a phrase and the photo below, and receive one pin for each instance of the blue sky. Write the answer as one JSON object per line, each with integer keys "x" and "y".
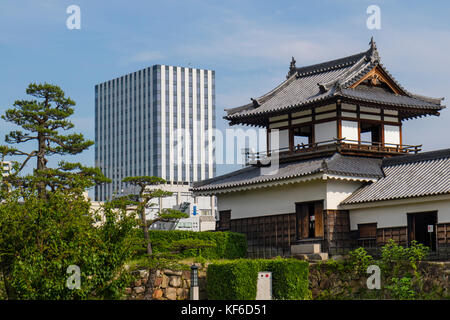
{"x": 248, "y": 43}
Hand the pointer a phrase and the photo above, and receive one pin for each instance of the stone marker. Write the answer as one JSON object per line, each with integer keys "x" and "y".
{"x": 264, "y": 286}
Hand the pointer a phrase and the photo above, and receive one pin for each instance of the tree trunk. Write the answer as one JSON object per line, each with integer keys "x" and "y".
{"x": 146, "y": 235}
{"x": 41, "y": 163}
{"x": 150, "y": 285}
{"x": 10, "y": 292}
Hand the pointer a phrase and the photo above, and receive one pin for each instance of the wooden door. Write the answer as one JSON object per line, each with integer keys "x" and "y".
{"x": 318, "y": 214}
{"x": 302, "y": 216}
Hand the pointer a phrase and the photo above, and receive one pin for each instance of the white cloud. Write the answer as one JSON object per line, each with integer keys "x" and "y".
{"x": 244, "y": 39}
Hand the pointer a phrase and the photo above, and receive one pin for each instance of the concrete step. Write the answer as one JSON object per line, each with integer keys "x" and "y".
{"x": 320, "y": 256}
{"x": 305, "y": 248}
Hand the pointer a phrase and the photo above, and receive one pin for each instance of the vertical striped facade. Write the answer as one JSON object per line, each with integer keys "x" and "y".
{"x": 158, "y": 121}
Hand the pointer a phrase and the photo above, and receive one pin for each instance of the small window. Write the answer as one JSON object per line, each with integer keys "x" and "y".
{"x": 367, "y": 230}
{"x": 302, "y": 136}
{"x": 371, "y": 132}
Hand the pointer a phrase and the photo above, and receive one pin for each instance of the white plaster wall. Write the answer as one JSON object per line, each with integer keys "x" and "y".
{"x": 325, "y": 131}
{"x": 396, "y": 215}
{"x": 392, "y": 134}
{"x": 350, "y": 130}
{"x": 270, "y": 201}
{"x": 339, "y": 190}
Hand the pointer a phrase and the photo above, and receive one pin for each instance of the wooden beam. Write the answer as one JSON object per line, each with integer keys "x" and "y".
{"x": 377, "y": 75}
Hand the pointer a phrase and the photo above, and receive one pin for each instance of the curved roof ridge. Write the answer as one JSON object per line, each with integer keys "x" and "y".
{"x": 418, "y": 157}
{"x": 330, "y": 65}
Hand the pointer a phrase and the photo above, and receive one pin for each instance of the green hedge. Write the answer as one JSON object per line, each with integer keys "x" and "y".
{"x": 237, "y": 279}
{"x": 232, "y": 280}
{"x": 229, "y": 245}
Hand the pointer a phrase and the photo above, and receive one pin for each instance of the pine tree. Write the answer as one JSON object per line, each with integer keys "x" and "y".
{"x": 42, "y": 120}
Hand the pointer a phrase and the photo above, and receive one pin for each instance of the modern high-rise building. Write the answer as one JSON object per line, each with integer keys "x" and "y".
{"x": 158, "y": 121}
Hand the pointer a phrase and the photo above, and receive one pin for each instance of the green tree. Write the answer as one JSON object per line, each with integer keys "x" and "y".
{"x": 46, "y": 224}
{"x": 41, "y": 237}
{"x": 42, "y": 120}
{"x": 147, "y": 190}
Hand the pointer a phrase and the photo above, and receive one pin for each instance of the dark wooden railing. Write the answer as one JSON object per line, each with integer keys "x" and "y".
{"x": 334, "y": 144}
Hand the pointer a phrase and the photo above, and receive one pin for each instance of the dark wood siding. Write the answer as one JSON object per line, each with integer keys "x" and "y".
{"x": 398, "y": 234}
{"x": 224, "y": 220}
{"x": 443, "y": 240}
{"x": 267, "y": 236}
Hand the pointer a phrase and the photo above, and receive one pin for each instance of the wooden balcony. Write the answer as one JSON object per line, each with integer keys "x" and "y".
{"x": 344, "y": 146}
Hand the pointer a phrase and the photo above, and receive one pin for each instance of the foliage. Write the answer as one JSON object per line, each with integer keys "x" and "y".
{"x": 232, "y": 280}
{"x": 147, "y": 191}
{"x": 401, "y": 288}
{"x": 224, "y": 245}
{"x": 40, "y": 238}
{"x": 398, "y": 259}
{"x": 289, "y": 279}
{"x": 42, "y": 120}
{"x": 359, "y": 259}
{"x": 192, "y": 244}
{"x": 400, "y": 276}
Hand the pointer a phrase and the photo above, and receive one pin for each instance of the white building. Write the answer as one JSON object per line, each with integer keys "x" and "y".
{"x": 338, "y": 175}
{"x": 200, "y": 208}
{"x": 158, "y": 121}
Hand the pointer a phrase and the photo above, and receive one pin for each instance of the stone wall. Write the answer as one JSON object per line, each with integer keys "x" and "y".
{"x": 325, "y": 282}
{"x": 333, "y": 282}
{"x": 169, "y": 285}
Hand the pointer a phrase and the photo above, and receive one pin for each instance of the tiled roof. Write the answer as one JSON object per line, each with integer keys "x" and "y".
{"x": 337, "y": 164}
{"x": 423, "y": 174}
{"x": 328, "y": 81}
{"x": 386, "y": 98}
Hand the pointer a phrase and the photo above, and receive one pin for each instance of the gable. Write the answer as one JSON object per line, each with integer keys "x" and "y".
{"x": 378, "y": 78}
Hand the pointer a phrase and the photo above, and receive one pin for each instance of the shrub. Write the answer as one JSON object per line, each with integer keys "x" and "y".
{"x": 289, "y": 278}
{"x": 398, "y": 260}
{"x": 232, "y": 280}
{"x": 402, "y": 288}
{"x": 237, "y": 279}
{"x": 41, "y": 237}
{"x": 359, "y": 260}
{"x": 218, "y": 245}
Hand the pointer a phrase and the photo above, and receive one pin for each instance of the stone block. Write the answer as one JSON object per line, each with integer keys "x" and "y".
{"x": 158, "y": 281}
{"x": 306, "y": 248}
{"x": 172, "y": 273}
{"x": 171, "y": 293}
{"x": 143, "y": 274}
{"x": 157, "y": 294}
{"x": 175, "y": 281}
{"x": 186, "y": 274}
{"x": 139, "y": 290}
{"x": 164, "y": 281}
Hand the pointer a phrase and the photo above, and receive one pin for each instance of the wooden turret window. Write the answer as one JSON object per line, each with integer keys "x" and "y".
{"x": 371, "y": 132}
{"x": 301, "y": 136}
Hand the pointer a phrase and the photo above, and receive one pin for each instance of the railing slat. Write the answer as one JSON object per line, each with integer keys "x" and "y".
{"x": 348, "y": 143}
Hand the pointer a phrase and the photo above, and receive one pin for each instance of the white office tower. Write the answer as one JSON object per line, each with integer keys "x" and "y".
{"x": 158, "y": 121}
